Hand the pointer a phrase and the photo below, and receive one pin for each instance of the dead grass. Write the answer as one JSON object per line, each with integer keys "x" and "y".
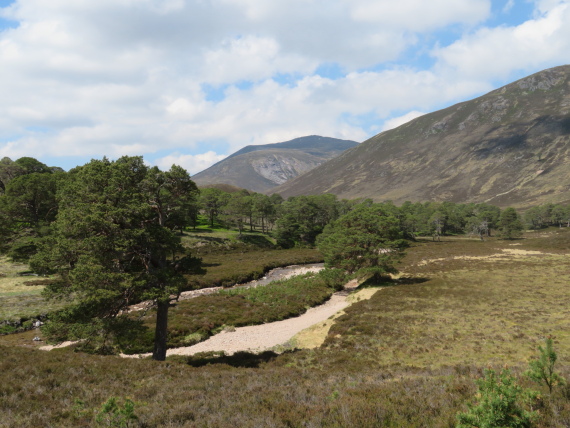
{"x": 477, "y": 310}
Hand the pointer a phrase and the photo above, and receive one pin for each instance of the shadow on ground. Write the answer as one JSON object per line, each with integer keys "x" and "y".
{"x": 239, "y": 359}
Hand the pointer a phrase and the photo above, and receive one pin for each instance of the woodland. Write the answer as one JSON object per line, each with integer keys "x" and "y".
{"x": 466, "y": 323}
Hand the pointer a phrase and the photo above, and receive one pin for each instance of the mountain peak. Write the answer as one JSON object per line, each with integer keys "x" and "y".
{"x": 262, "y": 167}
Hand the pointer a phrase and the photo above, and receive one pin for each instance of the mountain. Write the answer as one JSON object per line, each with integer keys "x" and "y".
{"x": 260, "y": 168}
{"x": 508, "y": 147}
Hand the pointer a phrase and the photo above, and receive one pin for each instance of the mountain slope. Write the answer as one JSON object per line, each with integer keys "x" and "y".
{"x": 508, "y": 147}
{"x": 260, "y": 168}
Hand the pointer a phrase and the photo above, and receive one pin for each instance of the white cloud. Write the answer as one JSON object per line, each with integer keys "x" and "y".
{"x": 250, "y": 58}
{"x": 544, "y": 6}
{"x": 420, "y": 15}
{"x": 114, "y": 77}
{"x": 397, "y": 121}
{"x": 508, "y": 6}
{"x": 493, "y": 53}
{"x": 191, "y": 163}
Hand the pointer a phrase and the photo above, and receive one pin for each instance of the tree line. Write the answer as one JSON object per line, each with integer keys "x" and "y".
{"x": 111, "y": 230}
{"x": 29, "y": 205}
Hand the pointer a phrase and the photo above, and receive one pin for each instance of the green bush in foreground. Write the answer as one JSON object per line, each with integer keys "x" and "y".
{"x": 112, "y": 414}
{"x": 499, "y": 404}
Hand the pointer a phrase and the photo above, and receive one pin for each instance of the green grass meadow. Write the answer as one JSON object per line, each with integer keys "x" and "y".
{"x": 20, "y": 296}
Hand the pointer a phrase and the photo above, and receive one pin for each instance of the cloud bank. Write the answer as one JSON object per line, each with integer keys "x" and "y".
{"x": 190, "y": 82}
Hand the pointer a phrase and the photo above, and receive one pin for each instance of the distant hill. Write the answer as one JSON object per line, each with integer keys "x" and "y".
{"x": 508, "y": 147}
{"x": 261, "y": 168}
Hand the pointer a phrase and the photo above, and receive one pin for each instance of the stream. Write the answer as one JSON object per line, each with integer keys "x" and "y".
{"x": 273, "y": 275}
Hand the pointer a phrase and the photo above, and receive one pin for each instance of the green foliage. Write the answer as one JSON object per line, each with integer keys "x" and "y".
{"x": 8, "y": 171}
{"x": 28, "y": 206}
{"x": 365, "y": 241}
{"x": 499, "y": 404}
{"x": 510, "y": 225}
{"x": 303, "y": 218}
{"x": 542, "y": 369}
{"x": 113, "y": 242}
{"x": 31, "y": 165}
{"x": 113, "y": 414}
{"x": 238, "y": 211}
{"x": 212, "y": 200}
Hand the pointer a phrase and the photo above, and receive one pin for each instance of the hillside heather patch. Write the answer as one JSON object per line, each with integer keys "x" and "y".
{"x": 65, "y": 389}
{"x": 494, "y": 307}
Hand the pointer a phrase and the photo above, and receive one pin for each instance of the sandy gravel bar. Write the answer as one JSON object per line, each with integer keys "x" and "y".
{"x": 265, "y": 336}
{"x": 258, "y": 338}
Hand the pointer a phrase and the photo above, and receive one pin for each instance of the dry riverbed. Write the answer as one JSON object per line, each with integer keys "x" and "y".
{"x": 262, "y": 337}
{"x": 266, "y": 336}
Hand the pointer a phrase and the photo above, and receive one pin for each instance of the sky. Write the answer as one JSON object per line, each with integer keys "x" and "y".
{"x": 191, "y": 82}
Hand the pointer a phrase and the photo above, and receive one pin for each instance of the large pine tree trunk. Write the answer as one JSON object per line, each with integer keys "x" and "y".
{"x": 159, "y": 353}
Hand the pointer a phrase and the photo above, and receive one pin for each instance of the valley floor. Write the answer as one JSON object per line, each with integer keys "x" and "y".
{"x": 407, "y": 357}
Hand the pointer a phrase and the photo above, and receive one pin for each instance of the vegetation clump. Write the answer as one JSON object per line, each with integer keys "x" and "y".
{"x": 367, "y": 241}
{"x": 499, "y": 404}
{"x": 542, "y": 368}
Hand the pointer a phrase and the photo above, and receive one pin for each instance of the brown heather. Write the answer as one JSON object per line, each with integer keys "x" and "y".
{"x": 407, "y": 357}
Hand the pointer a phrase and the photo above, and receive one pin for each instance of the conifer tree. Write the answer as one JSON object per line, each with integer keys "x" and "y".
{"x": 542, "y": 369}
{"x": 113, "y": 243}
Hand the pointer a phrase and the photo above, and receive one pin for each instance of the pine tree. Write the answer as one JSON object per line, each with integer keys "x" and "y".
{"x": 113, "y": 244}
{"x": 510, "y": 225}
{"x": 542, "y": 369}
{"x": 499, "y": 404}
{"x": 365, "y": 241}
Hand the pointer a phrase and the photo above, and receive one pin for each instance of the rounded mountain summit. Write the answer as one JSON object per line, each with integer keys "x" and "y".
{"x": 261, "y": 168}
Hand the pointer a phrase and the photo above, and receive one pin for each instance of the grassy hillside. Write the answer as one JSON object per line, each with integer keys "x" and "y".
{"x": 408, "y": 357}
{"x": 508, "y": 147}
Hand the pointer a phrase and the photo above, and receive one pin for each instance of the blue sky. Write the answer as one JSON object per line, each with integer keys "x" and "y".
{"x": 190, "y": 82}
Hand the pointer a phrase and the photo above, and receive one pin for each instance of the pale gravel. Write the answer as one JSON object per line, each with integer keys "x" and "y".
{"x": 259, "y": 338}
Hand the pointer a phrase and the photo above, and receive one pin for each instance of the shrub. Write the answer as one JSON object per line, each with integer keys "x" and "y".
{"x": 499, "y": 404}
{"x": 542, "y": 369}
{"x": 112, "y": 414}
